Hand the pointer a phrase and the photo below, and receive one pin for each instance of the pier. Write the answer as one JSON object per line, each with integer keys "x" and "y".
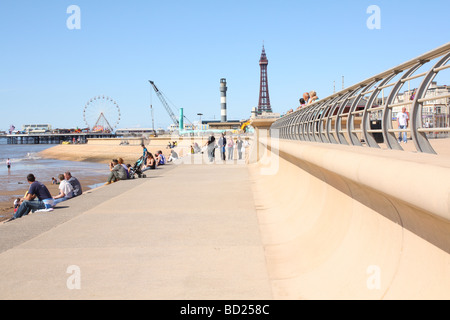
{"x": 53, "y": 138}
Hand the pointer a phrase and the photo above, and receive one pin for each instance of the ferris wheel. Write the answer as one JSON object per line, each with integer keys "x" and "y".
{"x": 101, "y": 114}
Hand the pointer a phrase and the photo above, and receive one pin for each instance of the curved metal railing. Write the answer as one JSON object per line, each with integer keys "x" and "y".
{"x": 357, "y": 116}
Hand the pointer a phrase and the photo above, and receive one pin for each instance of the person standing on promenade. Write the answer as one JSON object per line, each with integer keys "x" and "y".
{"x": 37, "y": 198}
{"x": 239, "y": 144}
{"x": 222, "y": 145}
{"x": 144, "y": 152}
{"x": 403, "y": 122}
{"x": 211, "y": 147}
{"x": 76, "y": 185}
{"x": 230, "y": 147}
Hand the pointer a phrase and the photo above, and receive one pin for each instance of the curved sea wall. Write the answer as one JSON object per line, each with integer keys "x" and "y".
{"x": 341, "y": 222}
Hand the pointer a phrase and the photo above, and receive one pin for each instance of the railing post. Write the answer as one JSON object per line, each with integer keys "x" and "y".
{"x": 420, "y": 140}
{"x": 365, "y": 122}
{"x": 390, "y": 138}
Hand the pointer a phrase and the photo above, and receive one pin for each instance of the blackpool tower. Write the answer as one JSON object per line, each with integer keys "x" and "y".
{"x": 264, "y": 99}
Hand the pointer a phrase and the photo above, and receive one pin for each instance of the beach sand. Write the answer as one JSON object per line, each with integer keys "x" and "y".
{"x": 100, "y": 153}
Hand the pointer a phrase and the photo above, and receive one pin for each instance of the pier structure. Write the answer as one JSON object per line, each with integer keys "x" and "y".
{"x": 53, "y": 138}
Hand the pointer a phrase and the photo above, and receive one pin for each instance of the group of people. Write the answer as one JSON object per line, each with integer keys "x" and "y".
{"x": 307, "y": 99}
{"x": 38, "y": 196}
{"x": 148, "y": 161}
{"x": 226, "y": 147}
{"x": 172, "y": 145}
{"x": 153, "y": 161}
{"x": 118, "y": 171}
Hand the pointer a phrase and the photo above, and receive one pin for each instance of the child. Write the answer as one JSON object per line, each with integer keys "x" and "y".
{"x": 16, "y": 204}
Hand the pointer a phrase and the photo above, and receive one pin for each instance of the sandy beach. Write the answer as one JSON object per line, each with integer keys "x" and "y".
{"x": 105, "y": 151}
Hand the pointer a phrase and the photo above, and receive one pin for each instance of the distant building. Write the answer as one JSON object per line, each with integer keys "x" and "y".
{"x": 36, "y": 128}
{"x": 435, "y": 113}
{"x": 219, "y": 125}
{"x": 135, "y": 132}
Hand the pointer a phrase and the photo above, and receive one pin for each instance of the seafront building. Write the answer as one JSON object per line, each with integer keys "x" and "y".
{"x": 435, "y": 113}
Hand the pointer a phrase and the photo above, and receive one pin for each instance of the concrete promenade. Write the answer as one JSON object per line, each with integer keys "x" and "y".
{"x": 300, "y": 220}
{"x": 184, "y": 232}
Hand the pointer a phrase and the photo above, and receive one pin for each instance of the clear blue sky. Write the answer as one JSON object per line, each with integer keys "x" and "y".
{"x": 48, "y": 72}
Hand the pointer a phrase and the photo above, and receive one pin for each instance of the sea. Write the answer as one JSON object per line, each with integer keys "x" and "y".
{"x": 25, "y": 159}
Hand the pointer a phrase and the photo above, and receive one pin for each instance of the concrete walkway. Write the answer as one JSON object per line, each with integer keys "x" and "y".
{"x": 186, "y": 232}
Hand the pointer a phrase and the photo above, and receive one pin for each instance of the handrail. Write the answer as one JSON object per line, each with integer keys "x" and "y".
{"x": 315, "y": 122}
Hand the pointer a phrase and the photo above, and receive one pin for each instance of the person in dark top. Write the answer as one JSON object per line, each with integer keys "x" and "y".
{"x": 222, "y": 145}
{"x": 211, "y": 147}
{"x": 75, "y": 184}
{"x": 38, "y": 197}
{"x": 144, "y": 152}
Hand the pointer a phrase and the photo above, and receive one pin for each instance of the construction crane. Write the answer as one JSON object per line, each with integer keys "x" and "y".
{"x": 165, "y": 104}
{"x": 175, "y": 120}
{"x": 151, "y": 109}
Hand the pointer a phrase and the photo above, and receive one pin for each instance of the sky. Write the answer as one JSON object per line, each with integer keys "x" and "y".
{"x": 49, "y": 70}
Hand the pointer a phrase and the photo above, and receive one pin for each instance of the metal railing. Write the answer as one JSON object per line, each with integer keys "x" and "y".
{"x": 354, "y": 116}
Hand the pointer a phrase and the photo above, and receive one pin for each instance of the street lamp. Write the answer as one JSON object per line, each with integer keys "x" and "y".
{"x": 200, "y": 122}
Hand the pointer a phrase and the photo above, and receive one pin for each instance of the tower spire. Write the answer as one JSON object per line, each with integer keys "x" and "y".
{"x": 264, "y": 99}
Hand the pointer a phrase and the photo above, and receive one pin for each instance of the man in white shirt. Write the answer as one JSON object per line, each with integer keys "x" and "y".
{"x": 65, "y": 190}
{"x": 403, "y": 122}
